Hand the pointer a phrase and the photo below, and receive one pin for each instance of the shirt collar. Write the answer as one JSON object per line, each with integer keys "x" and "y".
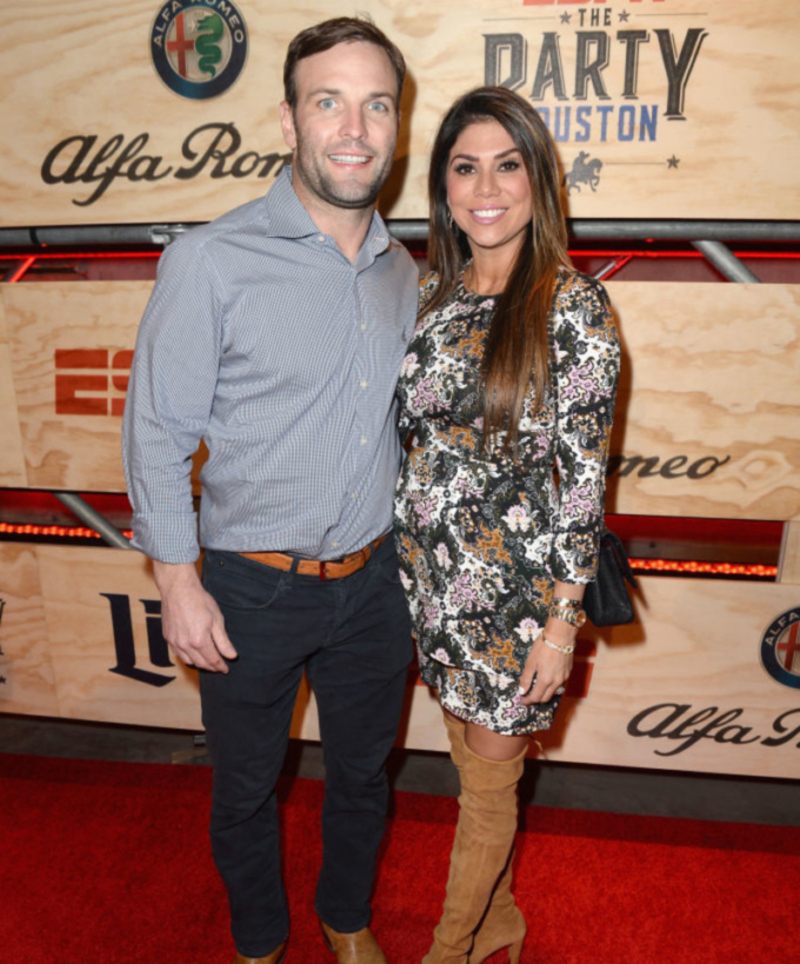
{"x": 287, "y": 218}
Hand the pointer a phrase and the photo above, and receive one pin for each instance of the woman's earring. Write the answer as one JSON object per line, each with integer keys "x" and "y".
{"x": 449, "y": 219}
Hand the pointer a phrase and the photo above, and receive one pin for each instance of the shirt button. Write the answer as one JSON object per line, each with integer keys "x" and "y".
{"x": 320, "y": 239}
{"x": 363, "y": 440}
{"x": 363, "y": 383}
{"x": 354, "y": 496}
{"x": 335, "y": 545}
{"x": 363, "y": 326}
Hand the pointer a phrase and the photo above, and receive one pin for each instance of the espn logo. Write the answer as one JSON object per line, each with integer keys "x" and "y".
{"x": 91, "y": 381}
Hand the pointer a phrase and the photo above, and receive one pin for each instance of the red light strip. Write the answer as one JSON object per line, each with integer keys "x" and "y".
{"x": 70, "y": 532}
{"x": 82, "y": 255}
{"x": 639, "y": 565}
{"x": 703, "y": 568}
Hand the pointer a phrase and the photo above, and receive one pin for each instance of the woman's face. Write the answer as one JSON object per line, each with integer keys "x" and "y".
{"x": 488, "y": 191}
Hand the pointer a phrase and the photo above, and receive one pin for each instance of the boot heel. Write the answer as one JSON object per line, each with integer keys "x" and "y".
{"x": 515, "y": 951}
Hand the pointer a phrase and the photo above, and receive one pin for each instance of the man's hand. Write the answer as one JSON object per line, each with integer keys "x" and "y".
{"x": 191, "y": 621}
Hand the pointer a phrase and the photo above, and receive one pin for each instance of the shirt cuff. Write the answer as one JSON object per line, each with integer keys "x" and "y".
{"x": 172, "y": 540}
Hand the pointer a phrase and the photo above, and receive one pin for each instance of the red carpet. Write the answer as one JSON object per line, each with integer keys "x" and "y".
{"x": 110, "y": 862}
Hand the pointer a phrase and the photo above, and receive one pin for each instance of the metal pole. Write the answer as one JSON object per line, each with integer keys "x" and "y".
{"x": 609, "y": 230}
{"x": 88, "y": 235}
{"x": 612, "y": 267}
{"x": 647, "y": 230}
{"x": 725, "y": 261}
{"x": 92, "y": 518}
{"x": 686, "y": 230}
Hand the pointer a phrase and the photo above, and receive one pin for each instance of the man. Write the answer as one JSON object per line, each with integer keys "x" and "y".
{"x": 276, "y": 333}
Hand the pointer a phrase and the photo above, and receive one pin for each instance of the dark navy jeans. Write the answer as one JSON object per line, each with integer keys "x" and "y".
{"x": 353, "y": 638}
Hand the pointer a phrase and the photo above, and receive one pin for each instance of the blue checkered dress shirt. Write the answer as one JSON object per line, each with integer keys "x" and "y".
{"x": 262, "y": 338}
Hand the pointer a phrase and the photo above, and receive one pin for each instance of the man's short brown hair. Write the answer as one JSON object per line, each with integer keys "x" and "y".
{"x": 340, "y": 30}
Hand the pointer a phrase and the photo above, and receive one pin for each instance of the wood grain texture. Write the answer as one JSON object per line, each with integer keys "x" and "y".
{"x": 695, "y": 652}
{"x": 85, "y": 68}
{"x": 709, "y": 372}
{"x": 71, "y": 451}
{"x": 697, "y": 645}
{"x": 708, "y": 388}
{"x": 27, "y": 682}
{"x": 12, "y": 461}
{"x": 82, "y": 640}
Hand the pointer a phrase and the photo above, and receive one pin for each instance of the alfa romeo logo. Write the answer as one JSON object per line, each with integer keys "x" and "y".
{"x": 780, "y": 648}
{"x": 198, "y": 48}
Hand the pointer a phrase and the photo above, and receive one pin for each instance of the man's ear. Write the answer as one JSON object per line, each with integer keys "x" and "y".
{"x": 287, "y": 125}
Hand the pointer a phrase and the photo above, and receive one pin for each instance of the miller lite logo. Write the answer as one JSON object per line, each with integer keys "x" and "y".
{"x": 198, "y": 48}
{"x": 780, "y": 648}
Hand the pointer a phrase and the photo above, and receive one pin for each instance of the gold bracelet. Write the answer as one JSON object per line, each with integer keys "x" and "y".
{"x": 569, "y": 611}
{"x": 564, "y": 650}
{"x": 566, "y": 602}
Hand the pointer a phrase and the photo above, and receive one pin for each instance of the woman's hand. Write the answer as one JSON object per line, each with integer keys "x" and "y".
{"x": 545, "y": 668}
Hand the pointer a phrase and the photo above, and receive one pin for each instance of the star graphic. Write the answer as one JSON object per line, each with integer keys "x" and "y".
{"x": 673, "y": 161}
{"x": 623, "y": 17}
{"x": 566, "y": 17}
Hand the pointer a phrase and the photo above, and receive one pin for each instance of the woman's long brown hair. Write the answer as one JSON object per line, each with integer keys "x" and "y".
{"x": 517, "y": 351}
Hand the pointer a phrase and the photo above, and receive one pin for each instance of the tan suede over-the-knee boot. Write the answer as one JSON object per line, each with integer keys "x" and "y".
{"x": 487, "y": 824}
{"x": 503, "y": 924}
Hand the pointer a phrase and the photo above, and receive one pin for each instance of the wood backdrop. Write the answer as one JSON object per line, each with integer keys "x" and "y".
{"x": 85, "y": 70}
{"x": 694, "y": 653}
{"x": 706, "y": 418}
{"x": 709, "y": 379}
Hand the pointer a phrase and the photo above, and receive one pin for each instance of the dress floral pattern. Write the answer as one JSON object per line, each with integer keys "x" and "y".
{"x": 481, "y": 539}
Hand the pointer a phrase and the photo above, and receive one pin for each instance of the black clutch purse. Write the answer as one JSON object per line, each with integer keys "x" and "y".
{"x": 606, "y": 600}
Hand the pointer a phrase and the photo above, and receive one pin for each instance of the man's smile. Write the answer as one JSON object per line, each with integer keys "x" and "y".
{"x": 350, "y": 158}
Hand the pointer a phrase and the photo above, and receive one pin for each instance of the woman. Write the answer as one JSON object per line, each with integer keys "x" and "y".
{"x": 510, "y": 376}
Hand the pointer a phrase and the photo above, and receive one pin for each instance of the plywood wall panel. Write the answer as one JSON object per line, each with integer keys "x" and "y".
{"x": 707, "y": 679}
{"x": 698, "y": 652}
{"x": 70, "y": 347}
{"x": 718, "y": 141}
{"x": 709, "y": 393}
{"x": 706, "y": 420}
{"x": 102, "y": 672}
{"x": 27, "y": 681}
{"x": 12, "y": 462}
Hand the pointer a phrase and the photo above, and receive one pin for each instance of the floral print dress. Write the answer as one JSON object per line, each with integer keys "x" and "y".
{"x": 481, "y": 539}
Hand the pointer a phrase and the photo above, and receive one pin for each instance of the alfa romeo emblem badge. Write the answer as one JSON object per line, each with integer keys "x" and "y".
{"x": 780, "y": 648}
{"x": 198, "y": 48}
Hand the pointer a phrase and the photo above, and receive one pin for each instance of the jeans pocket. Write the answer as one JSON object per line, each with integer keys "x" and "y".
{"x": 242, "y": 584}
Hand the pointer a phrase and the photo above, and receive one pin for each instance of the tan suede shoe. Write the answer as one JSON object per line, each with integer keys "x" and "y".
{"x": 274, "y": 958}
{"x": 358, "y": 948}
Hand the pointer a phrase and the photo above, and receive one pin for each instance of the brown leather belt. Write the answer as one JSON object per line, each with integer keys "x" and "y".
{"x": 332, "y": 569}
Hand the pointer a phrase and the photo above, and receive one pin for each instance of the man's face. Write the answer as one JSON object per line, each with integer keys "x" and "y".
{"x": 343, "y": 131}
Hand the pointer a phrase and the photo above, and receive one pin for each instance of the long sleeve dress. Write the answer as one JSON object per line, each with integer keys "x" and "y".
{"x": 481, "y": 539}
